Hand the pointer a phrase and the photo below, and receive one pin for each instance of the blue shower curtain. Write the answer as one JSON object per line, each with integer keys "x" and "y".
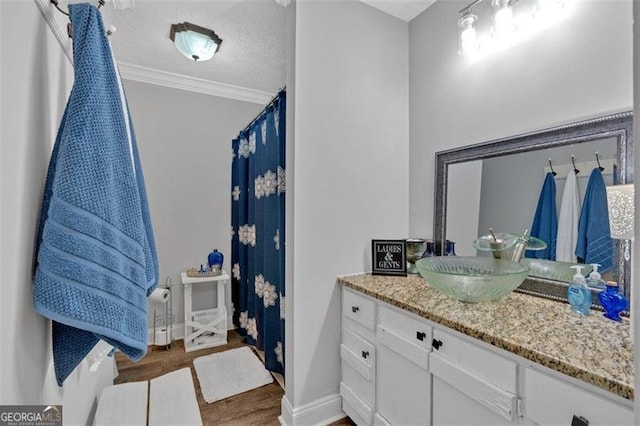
{"x": 258, "y": 186}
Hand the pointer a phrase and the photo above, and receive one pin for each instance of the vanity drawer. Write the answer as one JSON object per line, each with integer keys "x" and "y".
{"x": 407, "y": 327}
{"x": 480, "y": 362}
{"x": 551, "y": 401}
{"x": 358, "y": 366}
{"x": 358, "y": 308}
{"x": 358, "y": 375}
{"x": 362, "y": 350}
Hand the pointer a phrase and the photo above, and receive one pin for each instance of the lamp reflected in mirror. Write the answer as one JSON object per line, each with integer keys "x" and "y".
{"x": 620, "y": 201}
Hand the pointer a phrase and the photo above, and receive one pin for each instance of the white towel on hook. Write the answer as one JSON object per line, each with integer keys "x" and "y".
{"x": 568, "y": 220}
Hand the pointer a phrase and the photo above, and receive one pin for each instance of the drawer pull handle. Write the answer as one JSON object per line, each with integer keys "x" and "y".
{"x": 355, "y": 309}
{"x": 420, "y": 335}
{"x": 365, "y": 354}
{"x": 436, "y": 344}
{"x": 579, "y": 421}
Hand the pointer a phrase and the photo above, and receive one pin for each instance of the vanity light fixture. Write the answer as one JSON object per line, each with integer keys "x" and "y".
{"x": 511, "y": 21}
{"x": 195, "y": 42}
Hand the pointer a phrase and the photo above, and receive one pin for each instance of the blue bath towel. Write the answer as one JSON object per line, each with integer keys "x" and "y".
{"x": 594, "y": 239}
{"x": 545, "y": 221}
{"x": 96, "y": 257}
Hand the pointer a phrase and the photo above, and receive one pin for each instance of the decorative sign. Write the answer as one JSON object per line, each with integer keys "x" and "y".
{"x": 388, "y": 257}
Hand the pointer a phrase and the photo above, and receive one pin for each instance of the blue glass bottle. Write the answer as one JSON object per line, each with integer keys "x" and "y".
{"x": 451, "y": 249}
{"x": 431, "y": 249}
{"x": 612, "y": 301}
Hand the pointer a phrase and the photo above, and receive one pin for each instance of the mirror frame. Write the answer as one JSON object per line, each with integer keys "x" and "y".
{"x": 619, "y": 126}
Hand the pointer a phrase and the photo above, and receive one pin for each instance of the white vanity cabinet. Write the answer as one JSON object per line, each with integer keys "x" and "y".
{"x": 358, "y": 357}
{"x": 554, "y": 401}
{"x": 403, "y": 381}
{"x": 401, "y": 369}
{"x": 471, "y": 385}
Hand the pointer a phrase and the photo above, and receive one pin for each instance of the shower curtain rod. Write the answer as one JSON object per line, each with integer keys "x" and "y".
{"x": 271, "y": 102}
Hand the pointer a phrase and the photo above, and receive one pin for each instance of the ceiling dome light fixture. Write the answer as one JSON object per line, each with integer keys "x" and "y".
{"x": 195, "y": 42}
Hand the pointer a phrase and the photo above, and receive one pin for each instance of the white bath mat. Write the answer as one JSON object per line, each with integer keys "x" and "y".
{"x": 172, "y": 400}
{"x": 229, "y": 373}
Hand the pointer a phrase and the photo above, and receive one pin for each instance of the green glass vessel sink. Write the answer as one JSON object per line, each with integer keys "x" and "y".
{"x": 472, "y": 279}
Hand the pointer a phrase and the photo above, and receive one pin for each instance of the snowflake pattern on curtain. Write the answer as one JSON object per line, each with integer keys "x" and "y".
{"x": 258, "y": 187}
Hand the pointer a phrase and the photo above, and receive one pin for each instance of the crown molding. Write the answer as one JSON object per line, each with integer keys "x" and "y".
{"x": 154, "y": 76}
{"x": 178, "y": 81}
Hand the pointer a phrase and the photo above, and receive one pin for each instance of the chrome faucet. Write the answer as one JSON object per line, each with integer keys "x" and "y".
{"x": 497, "y": 246}
{"x": 521, "y": 245}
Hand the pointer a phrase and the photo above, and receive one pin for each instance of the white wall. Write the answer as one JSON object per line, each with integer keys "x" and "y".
{"x": 351, "y": 176}
{"x": 36, "y": 79}
{"x": 185, "y": 148}
{"x": 576, "y": 70}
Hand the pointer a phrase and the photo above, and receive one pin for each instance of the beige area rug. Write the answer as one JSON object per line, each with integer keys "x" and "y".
{"x": 228, "y": 373}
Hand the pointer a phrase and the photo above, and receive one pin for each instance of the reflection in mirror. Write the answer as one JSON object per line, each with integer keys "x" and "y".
{"x": 497, "y": 184}
{"x": 464, "y": 200}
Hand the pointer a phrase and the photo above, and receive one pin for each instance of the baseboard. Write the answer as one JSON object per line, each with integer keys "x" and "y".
{"x": 322, "y": 411}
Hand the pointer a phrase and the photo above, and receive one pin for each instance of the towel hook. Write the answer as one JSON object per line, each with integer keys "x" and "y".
{"x": 57, "y": 6}
{"x": 553, "y": 172}
{"x": 598, "y": 161}
{"x": 573, "y": 161}
{"x": 55, "y": 3}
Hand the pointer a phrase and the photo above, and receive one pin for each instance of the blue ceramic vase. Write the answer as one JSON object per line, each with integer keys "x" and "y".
{"x": 215, "y": 258}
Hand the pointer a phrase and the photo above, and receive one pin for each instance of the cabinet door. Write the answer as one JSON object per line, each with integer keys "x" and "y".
{"x": 471, "y": 385}
{"x": 452, "y": 407}
{"x": 403, "y": 391}
{"x": 551, "y": 401}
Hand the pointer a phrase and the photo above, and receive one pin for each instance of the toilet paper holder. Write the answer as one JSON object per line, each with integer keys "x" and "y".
{"x": 163, "y": 319}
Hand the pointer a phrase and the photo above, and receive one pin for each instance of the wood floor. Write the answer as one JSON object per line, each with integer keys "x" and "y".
{"x": 260, "y": 406}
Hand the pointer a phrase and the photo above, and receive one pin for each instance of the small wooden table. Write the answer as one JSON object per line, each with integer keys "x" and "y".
{"x": 208, "y": 327}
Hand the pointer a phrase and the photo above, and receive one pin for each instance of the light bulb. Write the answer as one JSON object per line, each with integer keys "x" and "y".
{"x": 468, "y": 35}
{"x": 503, "y": 22}
{"x": 550, "y": 6}
{"x": 550, "y": 11}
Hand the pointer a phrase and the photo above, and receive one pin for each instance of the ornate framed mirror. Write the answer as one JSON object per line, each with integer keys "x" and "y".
{"x": 502, "y": 168}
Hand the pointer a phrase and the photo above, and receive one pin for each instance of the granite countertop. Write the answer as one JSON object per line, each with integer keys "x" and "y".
{"x": 592, "y": 349}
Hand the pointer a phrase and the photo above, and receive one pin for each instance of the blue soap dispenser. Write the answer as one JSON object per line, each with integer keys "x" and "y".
{"x": 578, "y": 294}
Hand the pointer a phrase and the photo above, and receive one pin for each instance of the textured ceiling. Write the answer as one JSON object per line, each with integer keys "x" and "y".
{"x": 253, "y": 51}
{"x": 252, "y": 54}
